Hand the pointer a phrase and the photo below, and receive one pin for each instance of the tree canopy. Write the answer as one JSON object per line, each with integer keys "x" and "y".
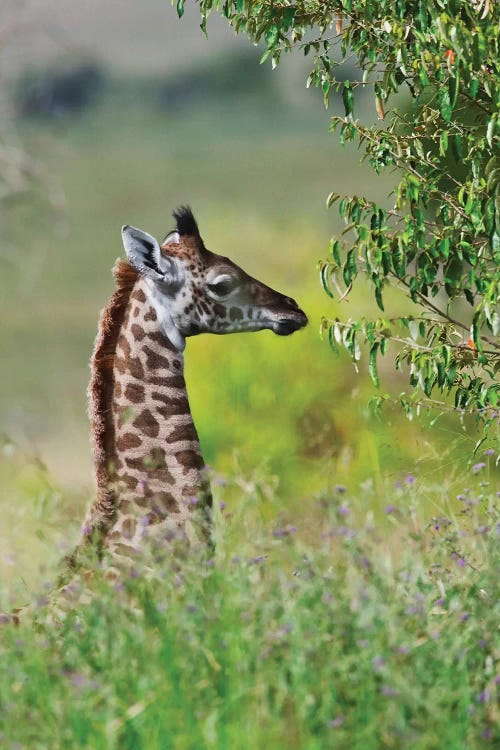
{"x": 439, "y": 241}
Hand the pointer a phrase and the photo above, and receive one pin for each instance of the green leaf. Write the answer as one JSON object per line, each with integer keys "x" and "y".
{"x": 180, "y": 8}
{"x": 473, "y": 87}
{"x": 445, "y": 104}
{"x": 443, "y": 143}
{"x": 350, "y": 268}
{"x": 456, "y": 147}
{"x": 324, "y": 276}
{"x": 348, "y": 98}
{"x": 399, "y": 259}
{"x": 372, "y": 364}
{"x": 490, "y": 130}
{"x": 334, "y": 250}
{"x": 444, "y": 248}
{"x": 453, "y": 88}
{"x": 378, "y": 296}
{"x": 331, "y": 199}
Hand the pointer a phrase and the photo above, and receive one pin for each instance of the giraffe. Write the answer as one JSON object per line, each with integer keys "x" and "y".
{"x": 150, "y": 477}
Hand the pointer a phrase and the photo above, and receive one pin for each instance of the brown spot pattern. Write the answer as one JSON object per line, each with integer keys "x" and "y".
{"x": 139, "y": 295}
{"x": 135, "y": 368}
{"x": 189, "y": 459}
{"x": 127, "y": 442}
{"x": 129, "y": 527}
{"x": 151, "y": 315}
{"x": 155, "y": 361}
{"x": 134, "y": 392}
{"x": 138, "y": 331}
{"x": 147, "y": 424}
{"x": 183, "y": 432}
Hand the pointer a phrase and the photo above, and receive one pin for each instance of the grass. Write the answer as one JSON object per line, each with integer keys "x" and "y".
{"x": 348, "y": 630}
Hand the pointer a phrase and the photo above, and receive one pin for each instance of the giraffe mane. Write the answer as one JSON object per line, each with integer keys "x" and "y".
{"x": 100, "y": 392}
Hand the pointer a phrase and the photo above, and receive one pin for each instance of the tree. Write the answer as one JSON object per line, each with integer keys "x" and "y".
{"x": 440, "y": 240}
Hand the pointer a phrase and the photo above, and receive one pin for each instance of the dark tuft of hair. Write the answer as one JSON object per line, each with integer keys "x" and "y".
{"x": 186, "y": 223}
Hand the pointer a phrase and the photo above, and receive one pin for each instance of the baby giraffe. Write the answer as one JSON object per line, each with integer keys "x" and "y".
{"x": 148, "y": 462}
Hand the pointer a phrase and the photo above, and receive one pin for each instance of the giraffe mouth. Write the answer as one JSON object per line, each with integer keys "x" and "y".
{"x": 285, "y": 325}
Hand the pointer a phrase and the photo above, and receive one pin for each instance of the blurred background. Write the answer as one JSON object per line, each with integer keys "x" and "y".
{"x": 117, "y": 112}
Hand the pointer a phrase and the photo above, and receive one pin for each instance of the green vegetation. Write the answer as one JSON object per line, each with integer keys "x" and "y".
{"x": 339, "y": 631}
{"x": 279, "y": 407}
{"x": 353, "y": 599}
{"x": 439, "y": 241}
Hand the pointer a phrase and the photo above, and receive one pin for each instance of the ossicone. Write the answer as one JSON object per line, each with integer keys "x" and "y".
{"x": 185, "y": 221}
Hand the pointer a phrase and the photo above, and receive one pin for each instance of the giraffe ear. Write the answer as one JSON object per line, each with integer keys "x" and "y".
{"x": 143, "y": 252}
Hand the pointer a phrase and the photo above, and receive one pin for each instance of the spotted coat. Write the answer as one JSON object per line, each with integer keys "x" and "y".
{"x": 150, "y": 476}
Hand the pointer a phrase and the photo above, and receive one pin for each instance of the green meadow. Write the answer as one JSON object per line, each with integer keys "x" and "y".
{"x": 353, "y": 598}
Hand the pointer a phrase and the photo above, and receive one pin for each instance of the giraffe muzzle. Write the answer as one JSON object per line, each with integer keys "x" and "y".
{"x": 285, "y": 325}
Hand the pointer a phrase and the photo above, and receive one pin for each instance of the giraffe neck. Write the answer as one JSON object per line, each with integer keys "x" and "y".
{"x": 157, "y": 462}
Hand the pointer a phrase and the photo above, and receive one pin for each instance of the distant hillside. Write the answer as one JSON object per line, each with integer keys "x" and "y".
{"x": 136, "y": 36}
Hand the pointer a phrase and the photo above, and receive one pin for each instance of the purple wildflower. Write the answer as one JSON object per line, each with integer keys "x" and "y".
{"x": 344, "y": 509}
{"x": 78, "y": 680}
{"x": 340, "y": 489}
{"x": 410, "y": 479}
{"x": 483, "y": 696}
{"x": 403, "y": 650}
{"x": 388, "y": 691}
{"x": 346, "y": 532}
{"x": 257, "y": 560}
{"x": 440, "y": 602}
{"x": 490, "y": 452}
{"x": 478, "y": 467}
{"x": 464, "y": 616}
{"x": 378, "y": 663}
{"x": 222, "y": 505}
{"x": 278, "y": 533}
{"x": 390, "y": 509}
{"x": 336, "y": 722}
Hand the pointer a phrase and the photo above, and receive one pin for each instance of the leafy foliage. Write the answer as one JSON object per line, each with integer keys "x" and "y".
{"x": 439, "y": 241}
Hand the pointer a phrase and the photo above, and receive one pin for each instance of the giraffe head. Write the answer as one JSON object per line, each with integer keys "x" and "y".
{"x": 194, "y": 290}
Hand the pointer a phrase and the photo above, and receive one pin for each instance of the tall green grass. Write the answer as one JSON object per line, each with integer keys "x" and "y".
{"x": 349, "y": 630}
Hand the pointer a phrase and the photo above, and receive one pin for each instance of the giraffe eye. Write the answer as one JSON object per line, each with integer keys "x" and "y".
{"x": 222, "y": 287}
